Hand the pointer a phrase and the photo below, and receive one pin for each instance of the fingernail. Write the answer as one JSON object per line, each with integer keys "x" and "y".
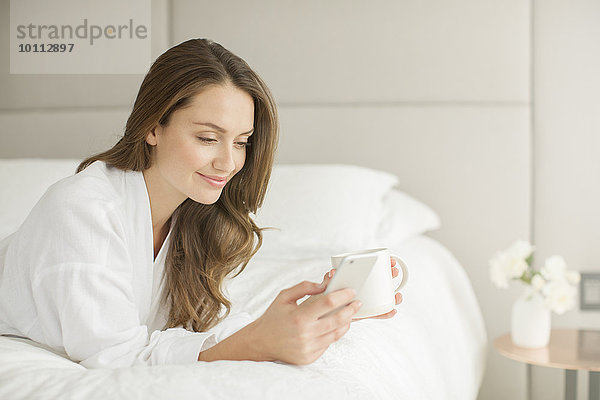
{"x": 359, "y": 304}
{"x": 329, "y": 274}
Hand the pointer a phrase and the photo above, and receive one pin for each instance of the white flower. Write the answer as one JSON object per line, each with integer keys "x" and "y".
{"x": 554, "y": 283}
{"x": 520, "y": 249}
{"x": 537, "y": 282}
{"x": 560, "y": 296}
{"x": 505, "y": 266}
{"x": 517, "y": 267}
{"x": 554, "y": 269}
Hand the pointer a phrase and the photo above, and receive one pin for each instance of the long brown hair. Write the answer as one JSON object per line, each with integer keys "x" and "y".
{"x": 208, "y": 242}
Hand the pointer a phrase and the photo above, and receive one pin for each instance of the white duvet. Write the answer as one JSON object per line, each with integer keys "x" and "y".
{"x": 434, "y": 347}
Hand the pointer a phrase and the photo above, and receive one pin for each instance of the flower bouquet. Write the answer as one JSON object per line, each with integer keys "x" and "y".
{"x": 552, "y": 288}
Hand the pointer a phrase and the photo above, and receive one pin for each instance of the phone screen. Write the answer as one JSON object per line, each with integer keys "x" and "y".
{"x": 352, "y": 272}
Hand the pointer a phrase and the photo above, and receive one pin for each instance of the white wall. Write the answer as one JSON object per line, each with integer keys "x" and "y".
{"x": 486, "y": 110}
{"x": 567, "y": 153}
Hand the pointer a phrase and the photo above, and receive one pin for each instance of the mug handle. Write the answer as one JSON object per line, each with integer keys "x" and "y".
{"x": 402, "y": 265}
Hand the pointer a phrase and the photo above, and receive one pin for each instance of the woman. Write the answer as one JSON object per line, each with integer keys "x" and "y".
{"x": 123, "y": 263}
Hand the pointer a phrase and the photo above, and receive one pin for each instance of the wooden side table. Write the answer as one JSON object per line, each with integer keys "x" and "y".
{"x": 569, "y": 349}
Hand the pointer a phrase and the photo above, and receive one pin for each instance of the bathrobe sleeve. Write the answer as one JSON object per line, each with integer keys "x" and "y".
{"x": 82, "y": 288}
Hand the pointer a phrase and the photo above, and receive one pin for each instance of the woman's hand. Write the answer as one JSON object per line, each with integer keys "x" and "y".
{"x": 295, "y": 333}
{"x": 291, "y": 332}
{"x": 299, "y": 334}
{"x": 395, "y": 272}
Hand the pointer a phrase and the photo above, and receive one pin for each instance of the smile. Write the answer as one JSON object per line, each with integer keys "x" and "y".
{"x": 213, "y": 182}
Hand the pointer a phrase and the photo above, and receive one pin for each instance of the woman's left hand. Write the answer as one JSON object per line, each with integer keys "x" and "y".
{"x": 395, "y": 272}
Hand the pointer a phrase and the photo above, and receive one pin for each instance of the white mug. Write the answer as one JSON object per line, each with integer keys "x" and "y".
{"x": 378, "y": 293}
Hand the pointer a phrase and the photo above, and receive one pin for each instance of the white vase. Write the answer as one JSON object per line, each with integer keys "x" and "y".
{"x": 530, "y": 322}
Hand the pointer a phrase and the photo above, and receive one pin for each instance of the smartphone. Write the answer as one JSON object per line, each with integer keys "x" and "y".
{"x": 352, "y": 273}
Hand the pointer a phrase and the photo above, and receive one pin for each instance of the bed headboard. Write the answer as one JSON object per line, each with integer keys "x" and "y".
{"x": 433, "y": 107}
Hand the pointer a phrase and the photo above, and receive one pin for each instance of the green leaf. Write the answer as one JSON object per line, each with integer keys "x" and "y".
{"x": 529, "y": 260}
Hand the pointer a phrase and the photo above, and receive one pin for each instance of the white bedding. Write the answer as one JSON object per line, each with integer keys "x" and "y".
{"x": 434, "y": 348}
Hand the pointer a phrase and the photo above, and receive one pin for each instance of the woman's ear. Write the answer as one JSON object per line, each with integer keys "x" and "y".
{"x": 151, "y": 137}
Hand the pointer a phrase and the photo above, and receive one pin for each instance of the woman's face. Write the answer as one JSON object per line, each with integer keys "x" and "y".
{"x": 205, "y": 139}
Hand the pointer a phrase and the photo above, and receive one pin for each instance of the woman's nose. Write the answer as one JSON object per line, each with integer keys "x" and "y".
{"x": 224, "y": 160}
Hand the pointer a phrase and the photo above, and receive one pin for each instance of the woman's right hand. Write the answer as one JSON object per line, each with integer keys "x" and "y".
{"x": 290, "y": 332}
{"x": 300, "y": 334}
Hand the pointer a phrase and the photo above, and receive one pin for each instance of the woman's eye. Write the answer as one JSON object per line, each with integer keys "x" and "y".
{"x": 240, "y": 145}
{"x": 243, "y": 144}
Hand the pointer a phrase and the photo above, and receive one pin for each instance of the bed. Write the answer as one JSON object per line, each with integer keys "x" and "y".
{"x": 434, "y": 348}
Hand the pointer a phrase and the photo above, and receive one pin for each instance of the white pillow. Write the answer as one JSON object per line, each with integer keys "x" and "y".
{"x": 404, "y": 217}
{"x": 325, "y": 209}
{"x": 321, "y": 209}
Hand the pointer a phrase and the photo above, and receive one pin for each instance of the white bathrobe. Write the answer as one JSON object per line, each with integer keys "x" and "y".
{"x": 80, "y": 276}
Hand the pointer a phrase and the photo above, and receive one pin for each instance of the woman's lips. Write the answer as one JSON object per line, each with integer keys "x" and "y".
{"x": 214, "y": 182}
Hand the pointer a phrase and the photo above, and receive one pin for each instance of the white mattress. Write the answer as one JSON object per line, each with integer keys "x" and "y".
{"x": 434, "y": 348}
